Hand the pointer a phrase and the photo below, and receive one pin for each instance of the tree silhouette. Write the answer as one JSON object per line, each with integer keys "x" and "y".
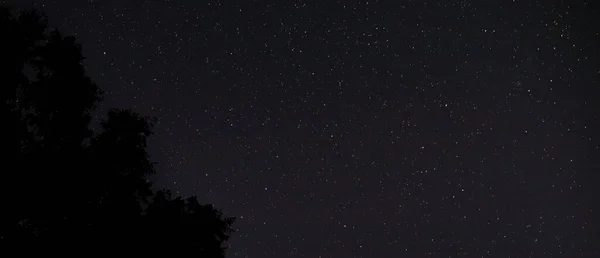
{"x": 63, "y": 184}
{"x": 186, "y": 221}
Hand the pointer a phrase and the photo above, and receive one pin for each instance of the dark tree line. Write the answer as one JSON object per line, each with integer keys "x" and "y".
{"x": 64, "y": 185}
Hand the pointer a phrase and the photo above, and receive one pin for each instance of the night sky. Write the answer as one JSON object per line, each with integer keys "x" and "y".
{"x": 365, "y": 128}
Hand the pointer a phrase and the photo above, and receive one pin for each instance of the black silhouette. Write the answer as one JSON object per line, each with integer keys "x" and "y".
{"x": 65, "y": 185}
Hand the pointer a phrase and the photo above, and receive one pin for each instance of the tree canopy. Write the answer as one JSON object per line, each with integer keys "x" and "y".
{"x": 64, "y": 184}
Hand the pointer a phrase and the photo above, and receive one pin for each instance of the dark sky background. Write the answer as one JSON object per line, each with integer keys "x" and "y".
{"x": 365, "y": 128}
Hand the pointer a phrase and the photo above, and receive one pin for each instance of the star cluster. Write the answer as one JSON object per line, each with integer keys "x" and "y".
{"x": 365, "y": 128}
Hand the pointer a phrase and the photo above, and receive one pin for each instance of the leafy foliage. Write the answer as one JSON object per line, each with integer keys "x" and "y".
{"x": 61, "y": 183}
